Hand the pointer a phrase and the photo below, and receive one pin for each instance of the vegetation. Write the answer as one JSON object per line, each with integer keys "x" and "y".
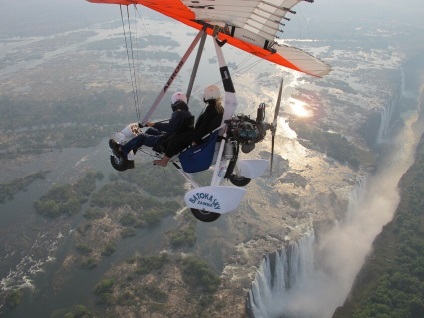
{"x": 129, "y": 219}
{"x": 89, "y": 263}
{"x": 331, "y": 144}
{"x": 80, "y": 311}
{"x": 390, "y": 284}
{"x": 126, "y": 298}
{"x": 197, "y": 273}
{"x": 128, "y": 232}
{"x": 109, "y": 249}
{"x": 93, "y": 214}
{"x": 155, "y": 293}
{"x": 103, "y": 291}
{"x": 94, "y": 108}
{"x": 67, "y": 199}
{"x": 84, "y": 249}
{"x": 144, "y": 287}
{"x": 84, "y": 228}
{"x": 8, "y": 190}
{"x": 152, "y": 180}
{"x": 186, "y": 235}
{"x": 32, "y": 126}
{"x": 339, "y": 84}
{"x": 14, "y": 298}
{"x": 105, "y": 286}
{"x": 123, "y": 194}
{"x": 147, "y": 264}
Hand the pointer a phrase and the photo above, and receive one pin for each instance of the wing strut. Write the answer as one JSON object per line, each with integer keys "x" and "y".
{"x": 196, "y": 64}
{"x": 173, "y": 76}
{"x": 229, "y": 108}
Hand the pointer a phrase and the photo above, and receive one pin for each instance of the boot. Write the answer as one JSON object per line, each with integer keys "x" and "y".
{"x": 115, "y": 147}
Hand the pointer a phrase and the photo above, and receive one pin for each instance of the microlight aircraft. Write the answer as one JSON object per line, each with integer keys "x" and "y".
{"x": 251, "y": 26}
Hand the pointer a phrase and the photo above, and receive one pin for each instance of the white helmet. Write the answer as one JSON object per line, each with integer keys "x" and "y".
{"x": 178, "y": 96}
{"x": 211, "y": 92}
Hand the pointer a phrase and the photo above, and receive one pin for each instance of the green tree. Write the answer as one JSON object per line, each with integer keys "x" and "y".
{"x": 14, "y": 298}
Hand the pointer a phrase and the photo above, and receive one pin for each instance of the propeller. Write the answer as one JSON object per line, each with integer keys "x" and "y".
{"x": 274, "y": 124}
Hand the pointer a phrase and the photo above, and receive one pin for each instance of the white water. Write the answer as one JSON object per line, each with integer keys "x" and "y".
{"x": 386, "y": 120}
{"x": 311, "y": 278}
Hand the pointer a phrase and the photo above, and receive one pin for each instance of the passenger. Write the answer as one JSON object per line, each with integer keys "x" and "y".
{"x": 181, "y": 121}
{"x": 209, "y": 120}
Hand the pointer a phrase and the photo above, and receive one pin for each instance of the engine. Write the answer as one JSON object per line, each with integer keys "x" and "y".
{"x": 247, "y": 131}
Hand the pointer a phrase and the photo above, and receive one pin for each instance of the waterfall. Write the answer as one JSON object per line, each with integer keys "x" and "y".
{"x": 279, "y": 274}
{"x": 356, "y": 196}
{"x": 303, "y": 279}
{"x": 388, "y": 113}
{"x": 387, "y": 116}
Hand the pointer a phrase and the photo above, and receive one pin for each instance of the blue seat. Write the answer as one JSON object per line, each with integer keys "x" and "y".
{"x": 199, "y": 158}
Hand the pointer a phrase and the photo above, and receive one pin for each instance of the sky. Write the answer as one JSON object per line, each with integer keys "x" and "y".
{"x": 43, "y": 15}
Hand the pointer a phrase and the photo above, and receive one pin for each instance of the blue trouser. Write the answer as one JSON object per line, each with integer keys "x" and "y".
{"x": 150, "y": 139}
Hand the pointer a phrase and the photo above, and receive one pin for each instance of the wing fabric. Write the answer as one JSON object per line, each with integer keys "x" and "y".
{"x": 250, "y": 25}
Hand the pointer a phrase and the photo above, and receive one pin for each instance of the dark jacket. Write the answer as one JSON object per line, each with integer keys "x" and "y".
{"x": 179, "y": 122}
{"x": 208, "y": 121}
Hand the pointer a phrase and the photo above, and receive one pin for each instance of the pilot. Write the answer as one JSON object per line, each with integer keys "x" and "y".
{"x": 181, "y": 121}
{"x": 209, "y": 120}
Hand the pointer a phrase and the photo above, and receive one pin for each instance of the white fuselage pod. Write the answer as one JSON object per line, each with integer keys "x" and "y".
{"x": 218, "y": 199}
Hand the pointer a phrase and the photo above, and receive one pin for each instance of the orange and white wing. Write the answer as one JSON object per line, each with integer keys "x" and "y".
{"x": 250, "y": 25}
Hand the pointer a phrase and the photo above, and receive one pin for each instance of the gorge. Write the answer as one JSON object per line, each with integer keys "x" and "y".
{"x": 312, "y": 276}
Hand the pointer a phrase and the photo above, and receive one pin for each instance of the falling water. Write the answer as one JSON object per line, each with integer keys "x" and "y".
{"x": 388, "y": 114}
{"x": 385, "y": 121}
{"x": 285, "y": 270}
{"x": 299, "y": 280}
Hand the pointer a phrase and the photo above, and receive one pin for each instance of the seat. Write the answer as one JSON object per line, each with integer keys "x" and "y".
{"x": 199, "y": 158}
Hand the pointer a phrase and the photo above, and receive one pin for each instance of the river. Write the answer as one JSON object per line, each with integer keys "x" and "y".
{"x": 34, "y": 248}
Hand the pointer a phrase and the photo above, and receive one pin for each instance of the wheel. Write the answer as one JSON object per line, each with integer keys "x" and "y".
{"x": 239, "y": 181}
{"x": 119, "y": 163}
{"x": 205, "y": 216}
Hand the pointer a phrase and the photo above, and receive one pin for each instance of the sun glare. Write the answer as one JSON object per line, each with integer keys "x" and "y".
{"x": 299, "y": 108}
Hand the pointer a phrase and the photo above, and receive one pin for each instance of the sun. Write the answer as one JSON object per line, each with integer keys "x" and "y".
{"x": 299, "y": 108}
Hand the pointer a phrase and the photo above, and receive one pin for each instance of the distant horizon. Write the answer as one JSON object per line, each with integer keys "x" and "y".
{"x": 34, "y": 16}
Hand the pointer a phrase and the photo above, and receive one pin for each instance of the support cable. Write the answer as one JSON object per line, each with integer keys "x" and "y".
{"x": 133, "y": 67}
{"x": 129, "y": 66}
{"x": 138, "y": 58}
{"x": 148, "y": 33}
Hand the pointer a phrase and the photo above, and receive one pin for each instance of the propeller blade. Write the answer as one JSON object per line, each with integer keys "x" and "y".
{"x": 274, "y": 124}
{"x": 277, "y": 108}
{"x": 272, "y": 154}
